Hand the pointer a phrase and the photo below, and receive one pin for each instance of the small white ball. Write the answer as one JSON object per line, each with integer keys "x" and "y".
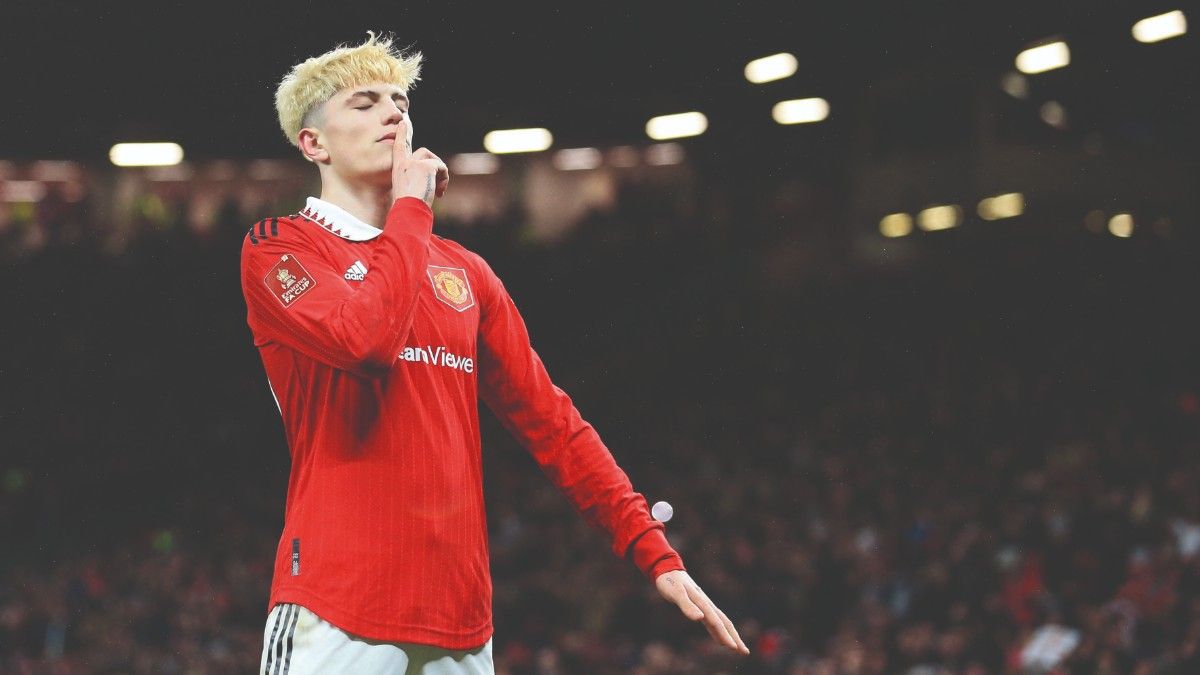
{"x": 662, "y": 511}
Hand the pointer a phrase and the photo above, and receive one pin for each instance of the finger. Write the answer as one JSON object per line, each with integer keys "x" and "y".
{"x": 712, "y": 618}
{"x": 425, "y": 153}
{"x": 741, "y": 644}
{"x": 690, "y": 609}
{"x": 402, "y": 146}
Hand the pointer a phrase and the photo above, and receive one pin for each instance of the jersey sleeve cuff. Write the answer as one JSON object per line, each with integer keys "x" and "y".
{"x": 653, "y": 555}
{"x": 411, "y": 215}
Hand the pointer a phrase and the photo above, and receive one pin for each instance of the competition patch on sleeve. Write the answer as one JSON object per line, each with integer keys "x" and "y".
{"x": 288, "y": 280}
{"x": 450, "y": 285}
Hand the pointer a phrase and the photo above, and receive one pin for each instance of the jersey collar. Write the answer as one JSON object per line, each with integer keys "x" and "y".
{"x": 338, "y": 221}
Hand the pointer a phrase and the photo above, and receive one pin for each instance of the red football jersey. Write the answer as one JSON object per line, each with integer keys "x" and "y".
{"x": 376, "y": 345}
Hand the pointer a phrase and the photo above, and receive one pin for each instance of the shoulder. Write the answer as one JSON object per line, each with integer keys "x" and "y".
{"x": 471, "y": 259}
{"x": 267, "y": 239}
{"x": 270, "y": 235}
{"x": 281, "y": 228}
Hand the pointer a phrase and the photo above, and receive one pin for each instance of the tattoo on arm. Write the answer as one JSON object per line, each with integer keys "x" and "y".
{"x": 428, "y": 188}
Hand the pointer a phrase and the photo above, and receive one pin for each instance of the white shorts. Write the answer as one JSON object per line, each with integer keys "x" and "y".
{"x": 298, "y": 642}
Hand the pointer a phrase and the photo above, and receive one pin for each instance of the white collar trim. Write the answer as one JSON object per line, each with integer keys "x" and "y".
{"x": 338, "y": 221}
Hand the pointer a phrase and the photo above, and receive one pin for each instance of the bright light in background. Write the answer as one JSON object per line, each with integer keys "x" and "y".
{"x": 1121, "y": 225}
{"x": 1015, "y": 85}
{"x": 1054, "y": 114}
{"x": 771, "y": 68}
{"x": 474, "y": 164}
{"x": 662, "y": 154}
{"x": 1046, "y": 57}
{"x": 680, "y": 125}
{"x": 800, "y": 110}
{"x": 941, "y": 217}
{"x": 896, "y": 225}
{"x": 54, "y": 170}
{"x": 146, "y": 154}
{"x": 1002, "y": 206}
{"x": 15, "y": 191}
{"x": 575, "y": 159}
{"x": 1161, "y": 27}
{"x": 517, "y": 140}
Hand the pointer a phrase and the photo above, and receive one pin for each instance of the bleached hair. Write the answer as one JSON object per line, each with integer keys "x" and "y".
{"x": 305, "y": 89}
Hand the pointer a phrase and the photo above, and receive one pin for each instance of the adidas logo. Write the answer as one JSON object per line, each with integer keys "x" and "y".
{"x": 357, "y": 271}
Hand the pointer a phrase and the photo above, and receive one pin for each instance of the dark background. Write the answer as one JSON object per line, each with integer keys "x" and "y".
{"x": 884, "y": 455}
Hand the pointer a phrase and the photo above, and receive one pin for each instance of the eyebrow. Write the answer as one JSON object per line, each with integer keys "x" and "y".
{"x": 374, "y": 95}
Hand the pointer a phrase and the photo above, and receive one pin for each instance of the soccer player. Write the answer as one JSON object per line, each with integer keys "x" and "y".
{"x": 378, "y": 337}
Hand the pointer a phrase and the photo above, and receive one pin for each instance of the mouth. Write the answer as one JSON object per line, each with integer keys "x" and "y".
{"x": 389, "y": 137}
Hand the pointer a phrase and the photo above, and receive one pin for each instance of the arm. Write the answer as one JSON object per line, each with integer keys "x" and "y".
{"x": 313, "y": 310}
{"x": 515, "y": 385}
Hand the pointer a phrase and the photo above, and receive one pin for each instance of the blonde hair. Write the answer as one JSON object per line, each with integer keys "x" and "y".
{"x": 310, "y": 84}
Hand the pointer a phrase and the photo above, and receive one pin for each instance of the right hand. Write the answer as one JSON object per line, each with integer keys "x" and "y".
{"x": 419, "y": 174}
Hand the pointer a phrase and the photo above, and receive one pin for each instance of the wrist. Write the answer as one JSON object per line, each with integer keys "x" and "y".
{"x": 652, "y": 554}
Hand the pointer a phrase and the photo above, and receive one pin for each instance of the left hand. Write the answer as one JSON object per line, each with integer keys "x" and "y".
{"x": 678, "y": 587}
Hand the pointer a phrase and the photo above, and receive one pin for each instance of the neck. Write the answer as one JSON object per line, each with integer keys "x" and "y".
{"x": 368, "y": 203}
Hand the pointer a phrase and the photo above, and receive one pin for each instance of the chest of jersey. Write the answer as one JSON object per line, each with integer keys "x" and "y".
{"x": 446, "y": 317}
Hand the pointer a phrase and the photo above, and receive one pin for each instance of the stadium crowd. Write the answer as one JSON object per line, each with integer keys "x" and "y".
{"x": 874, "y": 469}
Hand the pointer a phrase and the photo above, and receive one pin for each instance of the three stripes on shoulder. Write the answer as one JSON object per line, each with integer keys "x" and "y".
{"x": 261, "y": 228}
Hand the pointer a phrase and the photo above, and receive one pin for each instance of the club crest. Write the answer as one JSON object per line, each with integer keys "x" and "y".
{"x": 450, "y": 285}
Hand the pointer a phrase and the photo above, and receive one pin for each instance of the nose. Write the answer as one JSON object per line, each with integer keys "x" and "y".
{"x": 395, "y": 115}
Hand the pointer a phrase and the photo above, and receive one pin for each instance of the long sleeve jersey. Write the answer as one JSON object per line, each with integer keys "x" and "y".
{"x": 377, "y": 345}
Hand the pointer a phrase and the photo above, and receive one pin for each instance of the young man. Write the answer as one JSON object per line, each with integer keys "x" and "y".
{"x": 377, "y": 337}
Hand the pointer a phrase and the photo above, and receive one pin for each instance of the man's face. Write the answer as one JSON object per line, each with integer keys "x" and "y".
{"x": 355, "y": 122}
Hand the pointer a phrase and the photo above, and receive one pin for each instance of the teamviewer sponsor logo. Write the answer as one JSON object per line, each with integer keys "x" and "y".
{"x": 438, "y": 356}
{"x": 357, "y": 271}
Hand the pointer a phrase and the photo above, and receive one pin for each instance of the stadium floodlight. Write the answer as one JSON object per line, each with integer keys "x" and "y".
{"x": 1161, "y": 27}
{"x": 896, "y": 225}
{"x": 771, "y": 68}
{"x": 1007, "y": 205}
{"x": 800, "y": 111}
{"x": 146, "y": 154}
{"x": 577, "y": 159}
{"x": 474, "y": 163}
{"x": 1121, "y": 225}
{"x": 941, "y": 217}
{"x": 1045, "y": 57}
{"x": 680, "y": 125}
{"x": 504, "y": 141}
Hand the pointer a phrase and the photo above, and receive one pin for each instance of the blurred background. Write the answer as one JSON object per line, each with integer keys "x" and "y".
{"x": 893, "y": 301}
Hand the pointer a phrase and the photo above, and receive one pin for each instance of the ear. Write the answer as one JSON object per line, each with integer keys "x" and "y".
{"x": 311, "y": 145}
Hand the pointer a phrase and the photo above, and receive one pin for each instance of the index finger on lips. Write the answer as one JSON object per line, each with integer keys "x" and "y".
{"x": 402, "y": 147}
